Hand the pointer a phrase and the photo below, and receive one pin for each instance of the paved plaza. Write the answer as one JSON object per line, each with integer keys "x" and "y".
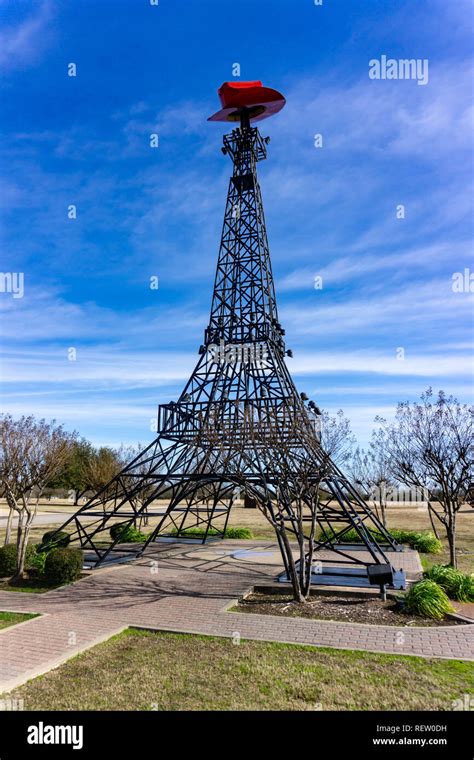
{"x": 189, "y": 588}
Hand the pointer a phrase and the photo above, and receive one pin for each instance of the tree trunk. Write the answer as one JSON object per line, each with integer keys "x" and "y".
{"x": 310, "y": 554}
{"x": 374, "y": 506}
{"x": 78, "y": 495}
{"x": 144, "y": 517}
{"x": 290, "y": 563}
{"x": 8, "y": 532}
{"x": 451, "y": 533}
{"x": 25, "y": 519}
{"x": 302, "y": 564}
{"x": 308, "y": 568}
{"x": 11, "y": 501}
{"x": 435, "y": 530}
{"x": 21, "y": 547}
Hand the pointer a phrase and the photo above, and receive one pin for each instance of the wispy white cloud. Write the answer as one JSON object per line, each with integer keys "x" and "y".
{"x": 384, "y": 144}
{"x": 428, "y": 365}
{"x": 45, "y": 316}
{"x": 99, "y": 366}
{"x": 347, "y": 268}
{"x": 23, "y": 41}
{"x": 103, "y": 366}
{"x": 417, "y": 310}
{"x": 383, "y": 119}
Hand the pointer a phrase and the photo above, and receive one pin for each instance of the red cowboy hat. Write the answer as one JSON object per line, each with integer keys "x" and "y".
{"x": 259, "y": 101}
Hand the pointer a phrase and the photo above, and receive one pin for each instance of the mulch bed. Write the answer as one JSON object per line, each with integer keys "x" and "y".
{"x": 348, "y": 608}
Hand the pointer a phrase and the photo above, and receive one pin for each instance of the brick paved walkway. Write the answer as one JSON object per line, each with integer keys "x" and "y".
{"x": 466, "y": 609}
{"x": 188, "y": 588}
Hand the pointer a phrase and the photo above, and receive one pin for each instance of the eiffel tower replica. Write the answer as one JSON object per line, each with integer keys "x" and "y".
{"x": 239, "y": 424}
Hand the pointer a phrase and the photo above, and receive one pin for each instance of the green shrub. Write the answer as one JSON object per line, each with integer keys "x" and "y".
{"x": 127, "y": 534}
{"x": 427, "y": 599}
{"x": 7, "y": 560}
{"x": 242, "y": 533}
{"x": 403, "y": 536}
{"x": 426, "y": 542}
{"x": 61, "y": 539}
{"x": 466, "y": 589}
{"x": 457, "y": 585}
{"x": 351, "y": 537}
{"x": 63, "y": 565}
{"x": 196, "y": 532}
{"x": 8, "y": 556}
{"x": 38, "y": 561}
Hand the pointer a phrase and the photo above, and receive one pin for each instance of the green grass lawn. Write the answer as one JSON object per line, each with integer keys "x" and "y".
{"x": 12, "y": 618}
{"x": 141, "y": 670}
{"x": 27, "y": 585}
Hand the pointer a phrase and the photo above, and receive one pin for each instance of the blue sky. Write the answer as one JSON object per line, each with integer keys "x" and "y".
{"x": 330, "y": 211}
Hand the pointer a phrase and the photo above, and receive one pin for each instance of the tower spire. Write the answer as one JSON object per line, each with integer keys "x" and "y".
{"x": 244, "y": 306}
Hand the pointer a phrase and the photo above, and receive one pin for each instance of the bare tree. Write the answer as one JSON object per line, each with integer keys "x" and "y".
{"x": 359, "y": 470}
{"x": 429, "y": 446}
{"x": 73, "y": 475}
{"x": 140, "y": 488}
{"x": 99, "y": 469}
{"x": 372, "y": 471}
{"x": 294, "y": 511}
{"x": 288, "y": 490}
{"x": 31, "y": 454}
{"x": 337, "y": 439}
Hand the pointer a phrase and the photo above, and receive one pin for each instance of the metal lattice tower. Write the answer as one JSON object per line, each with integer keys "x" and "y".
{"x": 239, "y": 415}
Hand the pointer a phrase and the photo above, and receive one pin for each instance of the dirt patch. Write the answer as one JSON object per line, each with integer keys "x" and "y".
{"x": 347, "y": 608}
